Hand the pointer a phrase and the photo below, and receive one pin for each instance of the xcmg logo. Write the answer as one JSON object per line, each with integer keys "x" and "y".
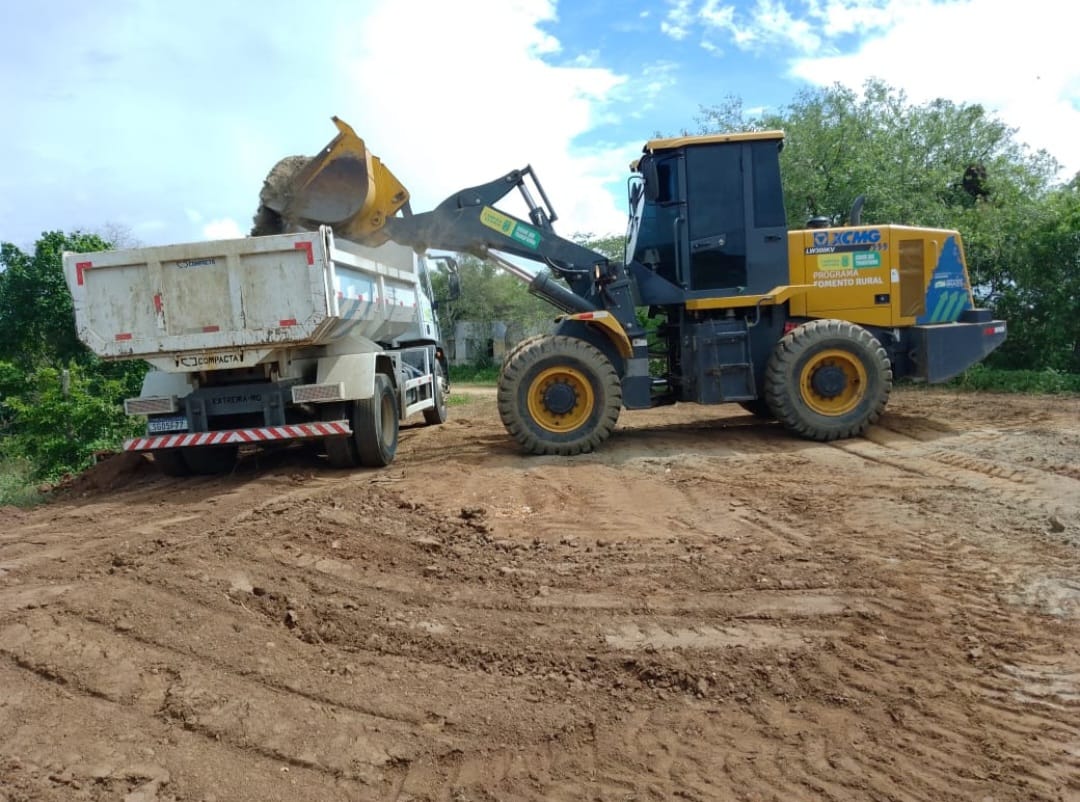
{"x": 822, "y": 238}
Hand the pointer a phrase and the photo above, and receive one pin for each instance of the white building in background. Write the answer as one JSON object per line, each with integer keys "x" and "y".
{"x": 471, "y": 341}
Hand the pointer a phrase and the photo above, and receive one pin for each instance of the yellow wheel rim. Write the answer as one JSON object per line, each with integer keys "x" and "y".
{"x": 556, "y": 382}
{"x": 827, "y": 368}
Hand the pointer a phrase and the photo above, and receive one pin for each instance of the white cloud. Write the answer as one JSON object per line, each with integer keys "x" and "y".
{"x": 453, "y": 121}
{"x": 176, "y": 113}
{"x": 678, "y": 21}
{"x": 225, "y": 228}
{"x": 769, "y": 23}
{"x": 1003, "y": 56}
{"x": 1018, "y": 61}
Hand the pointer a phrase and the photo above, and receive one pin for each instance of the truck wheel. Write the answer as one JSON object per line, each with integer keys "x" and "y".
{"x": 340, "y": 451}
{"x": 211, "y": 460}
{"x": 559, "y": 395}
{"x": 759, "y": 408}
{"x": 171, "y": 462}
{"x": 375, "y": 425}
{"x": 440, "y": 389}
{"x": 828, "y": 379}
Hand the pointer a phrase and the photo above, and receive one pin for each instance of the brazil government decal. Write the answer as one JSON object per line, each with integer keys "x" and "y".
{"x": 947, "y": 296}
{"x": 509, "y": 227}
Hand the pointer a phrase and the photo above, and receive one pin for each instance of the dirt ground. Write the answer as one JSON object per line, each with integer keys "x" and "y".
{"x": 707, "y": 609}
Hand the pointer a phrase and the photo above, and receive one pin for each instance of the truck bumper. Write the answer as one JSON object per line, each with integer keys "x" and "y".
{"x": 942, "y": 351}
{"x": 300, "y": 431}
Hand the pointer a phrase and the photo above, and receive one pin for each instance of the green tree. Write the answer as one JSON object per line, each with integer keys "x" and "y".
{"x": 63, "y": 416}
{"x": 938, "y": 164}
{"x": 612, "y": 246}
{"x": 1041, "y": 296}
{"x": 36, "y": 313}
{"x": 489, "y": 294}
{"x": 58, "y": 402}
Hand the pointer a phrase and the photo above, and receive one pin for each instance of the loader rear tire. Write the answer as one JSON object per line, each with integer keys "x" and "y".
{"x": 759, "y": 408}
{"x": 559, "y": 395}
{"x": 828, "y": 379}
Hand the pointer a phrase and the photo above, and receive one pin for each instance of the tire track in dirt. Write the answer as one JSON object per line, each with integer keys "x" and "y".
{"x": 709, "y": 610}
{"x": 123, "y": 751}
{"x": 946, "y": 733}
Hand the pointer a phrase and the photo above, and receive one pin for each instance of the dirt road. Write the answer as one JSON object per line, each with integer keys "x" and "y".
{"x": 708, "y": 609}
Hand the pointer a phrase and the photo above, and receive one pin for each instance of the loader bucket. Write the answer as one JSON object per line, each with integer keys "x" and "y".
{"x": 344, "y": 187}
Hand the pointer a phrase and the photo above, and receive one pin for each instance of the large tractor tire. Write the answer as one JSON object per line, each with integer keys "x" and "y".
{"x": 374, "y": 422}
{"x": 828, "y": 379}
{"x": 559, "y": 395}
{"x": 440, "y": 389}
{"x": 520, "y": 345}
{"x": 759, "y": 408}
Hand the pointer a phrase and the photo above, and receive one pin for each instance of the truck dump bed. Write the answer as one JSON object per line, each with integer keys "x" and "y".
{"x": 228, "y": 302}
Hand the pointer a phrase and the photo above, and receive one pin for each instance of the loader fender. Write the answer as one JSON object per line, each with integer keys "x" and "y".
{"x": 356, "y": 372}
{"x": 601, "y": 330}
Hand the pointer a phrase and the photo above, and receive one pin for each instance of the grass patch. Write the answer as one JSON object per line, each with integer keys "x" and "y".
{"x": 17, "y": 485}
{"x": 981, "y": 379}
{"x": 458, "y": 399}
{"x": 474, "y": 374}
{"x": 1036, "y": 382}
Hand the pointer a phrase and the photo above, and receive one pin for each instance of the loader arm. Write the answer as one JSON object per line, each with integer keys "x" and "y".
{"x": 468, "y": 222}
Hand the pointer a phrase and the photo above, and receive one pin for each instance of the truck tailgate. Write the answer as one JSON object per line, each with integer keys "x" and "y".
{"x": 231, "y": 296}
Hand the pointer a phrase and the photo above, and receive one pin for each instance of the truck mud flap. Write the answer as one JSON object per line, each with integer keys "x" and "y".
{"x": 942, "y": 351}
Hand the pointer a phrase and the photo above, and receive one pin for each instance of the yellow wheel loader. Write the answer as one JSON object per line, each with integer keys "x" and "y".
{"x": 808, "y": 326}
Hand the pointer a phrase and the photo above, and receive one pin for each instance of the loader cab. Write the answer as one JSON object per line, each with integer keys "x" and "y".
{"x": 707, "y": 214}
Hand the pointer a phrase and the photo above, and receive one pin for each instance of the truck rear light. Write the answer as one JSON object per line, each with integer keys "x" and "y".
{"x": 151, "y": 405}
{"x": 315, "y": 393}
{"x": 991, "y": 330}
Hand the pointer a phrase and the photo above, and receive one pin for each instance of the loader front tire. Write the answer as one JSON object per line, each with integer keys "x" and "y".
{"x": 559, "y": 395}
{"x": 828, "y": 379}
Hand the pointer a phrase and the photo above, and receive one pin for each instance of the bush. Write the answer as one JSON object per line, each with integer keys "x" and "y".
{"x": 58, "y": 419}
{"x": 983, "y": 378}
{"x": 17, "y": 485}
{"x": 482, "y": 373}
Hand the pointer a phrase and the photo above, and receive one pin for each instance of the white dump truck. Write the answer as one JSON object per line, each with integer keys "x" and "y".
{"x": 267, "y": 340}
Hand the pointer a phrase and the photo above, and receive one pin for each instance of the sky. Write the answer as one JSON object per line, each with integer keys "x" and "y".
{"x": 160, "y": 120}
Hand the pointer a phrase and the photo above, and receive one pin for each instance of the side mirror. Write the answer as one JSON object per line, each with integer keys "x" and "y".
{"x": 453, "y": 279}
{"x": 453, "y": 282}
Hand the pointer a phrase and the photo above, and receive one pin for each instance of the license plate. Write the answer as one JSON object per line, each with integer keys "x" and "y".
{"x": 173, "y": 423}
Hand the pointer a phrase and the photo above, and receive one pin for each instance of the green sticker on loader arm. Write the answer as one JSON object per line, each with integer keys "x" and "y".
{"x": 509, "y": 227}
